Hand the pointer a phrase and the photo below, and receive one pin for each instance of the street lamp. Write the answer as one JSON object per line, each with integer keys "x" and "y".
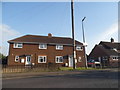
{"x": 84, "y": 44}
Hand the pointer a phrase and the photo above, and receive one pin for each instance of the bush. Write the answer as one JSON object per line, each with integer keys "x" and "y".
{"x": 3, "y": 59}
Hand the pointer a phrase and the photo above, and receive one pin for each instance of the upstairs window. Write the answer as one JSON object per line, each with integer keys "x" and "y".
{"x": 59, "y": 59}
{"x": 17, "y": 45}
{"x": 79, "y": 48}
{"x": 59, "y": 47}
{"x": 16, "y": 58}
{"x": 42, "y": 46}
{"x": 42, "y": 59}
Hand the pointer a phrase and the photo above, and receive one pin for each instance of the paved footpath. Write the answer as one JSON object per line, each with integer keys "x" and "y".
{"x": 31, "y": 74}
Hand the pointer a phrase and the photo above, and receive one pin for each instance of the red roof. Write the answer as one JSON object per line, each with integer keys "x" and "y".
{"x": 44, "y": 39}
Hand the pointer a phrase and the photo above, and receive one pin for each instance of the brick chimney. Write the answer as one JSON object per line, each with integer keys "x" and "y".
{"x": 49, "y": 35}
{"x": 112, "y": 40}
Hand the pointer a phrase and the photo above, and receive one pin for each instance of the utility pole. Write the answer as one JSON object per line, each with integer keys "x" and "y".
{"x": 74, "y": 51}
{"x": 84, "y": 43}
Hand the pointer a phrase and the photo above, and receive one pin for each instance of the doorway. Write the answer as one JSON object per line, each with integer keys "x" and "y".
{"x": 28, "y": 60}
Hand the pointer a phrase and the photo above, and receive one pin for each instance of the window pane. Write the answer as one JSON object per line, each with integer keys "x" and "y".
{"x": 19, "y": 45}
{"x": 15, "y": 45}
{"x": 42, "y": 59}
{"x": 42, "y": 46}
{"x": 16, "y": 58}
{"x": 78, "y": 48}
{"x": 59, "y": 47}
{"x": 28, "y": 58}
{"x": 45, "y": 46}
{"x": 59, "y": 59}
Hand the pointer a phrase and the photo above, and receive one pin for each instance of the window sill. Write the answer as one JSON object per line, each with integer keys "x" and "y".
{"x": 17, "y": 47}
{"x": 59, "y": 49}
{"x": 79, "y": 50}
{"x": 59, "y": 62}
{"x": 42, "y": 48}
{"x": 41, "y": 62}
{"x": 115, "y": 59}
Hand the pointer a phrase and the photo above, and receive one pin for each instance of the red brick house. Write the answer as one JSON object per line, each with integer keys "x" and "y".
{"x": 33, "y": 49}
{"x": 106, "y": 52}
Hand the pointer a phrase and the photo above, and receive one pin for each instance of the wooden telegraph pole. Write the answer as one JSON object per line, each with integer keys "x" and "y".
{"x": 74, "y": 51}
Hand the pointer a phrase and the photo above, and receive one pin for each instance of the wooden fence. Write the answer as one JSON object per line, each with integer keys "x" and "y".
{"x": 30, "y": 68}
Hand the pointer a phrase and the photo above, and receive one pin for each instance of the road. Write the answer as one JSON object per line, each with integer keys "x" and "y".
{"x": 75, "y": 79}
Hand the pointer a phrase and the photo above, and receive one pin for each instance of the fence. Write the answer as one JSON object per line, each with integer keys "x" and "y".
{"x": 30, "y": 68}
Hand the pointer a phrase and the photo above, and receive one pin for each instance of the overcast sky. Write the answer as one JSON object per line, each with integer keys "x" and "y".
{"x": 41, "y": 18}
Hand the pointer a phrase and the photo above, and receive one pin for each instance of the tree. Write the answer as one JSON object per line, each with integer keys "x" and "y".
{"x": 3, "y": 59}
{"x": 2, "y": 56}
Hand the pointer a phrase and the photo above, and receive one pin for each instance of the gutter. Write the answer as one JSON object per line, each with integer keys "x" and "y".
{"x": 42, "y": 42}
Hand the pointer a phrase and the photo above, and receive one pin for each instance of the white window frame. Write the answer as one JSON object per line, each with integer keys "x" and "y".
{"x": 16, "y": 45}
{"x": 79, "y": 59}
{"x": 79, "y": 48}
{"x": 59, "y": 47}
{"x": 16, "y": 57}
{"x": 59, "y": 58}
{"x": 44, "y": 61}
{"x": 22, "y": 60}
{"x": 115, "y": 57}
{"x": 105, "y": 58}
{"x": 44, "y": 46}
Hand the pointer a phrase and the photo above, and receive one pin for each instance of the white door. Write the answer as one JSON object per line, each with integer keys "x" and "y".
{"x": 70, "y": 61}
{"x": 28, "y": 60}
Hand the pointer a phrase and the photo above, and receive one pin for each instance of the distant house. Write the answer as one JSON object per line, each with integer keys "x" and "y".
{"x": 106, "y": 52}
{"x": 33, "y": 49}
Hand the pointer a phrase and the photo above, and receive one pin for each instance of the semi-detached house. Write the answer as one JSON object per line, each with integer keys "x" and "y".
{"x": 34, "y": 49}
{"x": 108, "y": 53}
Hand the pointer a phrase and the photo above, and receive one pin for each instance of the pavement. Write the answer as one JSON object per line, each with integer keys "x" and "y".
{"x": 31, "y": 74}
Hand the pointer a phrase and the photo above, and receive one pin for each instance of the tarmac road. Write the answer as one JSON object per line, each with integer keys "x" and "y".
{"x": 73, "y": 79}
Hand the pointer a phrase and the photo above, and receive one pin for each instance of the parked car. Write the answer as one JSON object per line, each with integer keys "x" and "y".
{"x": 93, "y": 63}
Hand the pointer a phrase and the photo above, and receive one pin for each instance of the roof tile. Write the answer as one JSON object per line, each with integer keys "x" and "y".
{"x": 44, "y": 39}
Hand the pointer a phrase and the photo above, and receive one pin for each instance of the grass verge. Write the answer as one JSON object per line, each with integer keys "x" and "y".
{"x": 78, "y": 68}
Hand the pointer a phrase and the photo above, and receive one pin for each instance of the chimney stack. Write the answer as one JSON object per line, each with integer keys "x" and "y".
{"x": 49, "y": 35}
{"x": 112, "y": 40}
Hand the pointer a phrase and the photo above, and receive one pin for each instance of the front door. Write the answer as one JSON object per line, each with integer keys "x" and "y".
{"x": 28, "y": 60}
{"x": 70, "y": 61}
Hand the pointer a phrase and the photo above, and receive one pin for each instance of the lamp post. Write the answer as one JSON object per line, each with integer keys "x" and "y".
{"x": 84, "y": 42}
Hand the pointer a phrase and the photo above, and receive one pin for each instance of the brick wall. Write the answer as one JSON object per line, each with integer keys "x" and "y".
{"x": 50, "y": 52}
